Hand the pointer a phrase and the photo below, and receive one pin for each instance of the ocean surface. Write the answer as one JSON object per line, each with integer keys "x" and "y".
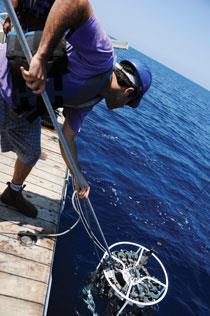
{"x": 150, "y": 183}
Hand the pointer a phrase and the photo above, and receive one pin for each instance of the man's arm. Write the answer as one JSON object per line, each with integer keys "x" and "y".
{"x": 70, "y": 138}
{"x": 63, "y": 15}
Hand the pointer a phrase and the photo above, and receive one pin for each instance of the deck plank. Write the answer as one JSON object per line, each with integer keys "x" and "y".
{"x": 43, "y": 164}
{"x": 22, "y": 288}
{"x": 11, "y": 306}
{"x": 34, "y": 180}
{"x": 36, "y": 174}
{"x": 12, "y": 229}
{"x": 48, "y": 214}
{"x": 22, "y": 267}
{"x": 12, "y": 246}
{"x": 25, "y": 270}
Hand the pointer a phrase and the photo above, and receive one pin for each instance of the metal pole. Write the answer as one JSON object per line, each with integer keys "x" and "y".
{"x": 10, "y": 10}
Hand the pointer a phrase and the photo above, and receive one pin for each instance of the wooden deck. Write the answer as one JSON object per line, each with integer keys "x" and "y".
{"x": 25, "y": 271}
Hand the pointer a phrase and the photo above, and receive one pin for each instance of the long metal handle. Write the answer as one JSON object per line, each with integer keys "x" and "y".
{"x": 27, "y": 53}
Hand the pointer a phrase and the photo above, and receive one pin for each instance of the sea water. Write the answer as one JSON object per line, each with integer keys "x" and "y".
{"x": 150, "y": 183}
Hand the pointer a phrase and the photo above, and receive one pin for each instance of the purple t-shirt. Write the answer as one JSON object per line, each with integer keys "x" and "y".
{"x": 90, "y": 53}
{"x": 5, "y": 80}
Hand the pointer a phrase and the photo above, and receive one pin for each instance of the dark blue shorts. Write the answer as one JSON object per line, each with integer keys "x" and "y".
{"x": 19, "y": 135}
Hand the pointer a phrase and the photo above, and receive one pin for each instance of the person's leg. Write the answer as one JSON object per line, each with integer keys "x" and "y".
{"x": 21, "y": 171}
{"x": 23, "y": 138}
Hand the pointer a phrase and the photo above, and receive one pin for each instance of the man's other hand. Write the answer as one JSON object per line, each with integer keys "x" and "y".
{"x": 35, "y": 77}
{"x": 85, "y": 190}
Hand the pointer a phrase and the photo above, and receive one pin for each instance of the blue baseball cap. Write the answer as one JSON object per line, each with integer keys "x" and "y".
{"x": 141, "y": 79}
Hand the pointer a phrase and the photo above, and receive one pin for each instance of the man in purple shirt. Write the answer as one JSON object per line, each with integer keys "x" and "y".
{"x": 90, "y": 77}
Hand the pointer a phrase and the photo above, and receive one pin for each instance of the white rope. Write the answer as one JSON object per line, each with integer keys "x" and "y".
{"x": 77, "y": 207}
{"x": 27, "y": 233}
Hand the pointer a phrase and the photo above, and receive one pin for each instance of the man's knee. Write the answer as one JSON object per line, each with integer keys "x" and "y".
{"x": 31, "y": 160}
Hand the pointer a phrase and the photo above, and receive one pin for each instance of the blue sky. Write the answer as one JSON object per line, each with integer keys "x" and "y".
{"x": 175, "y": 33}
